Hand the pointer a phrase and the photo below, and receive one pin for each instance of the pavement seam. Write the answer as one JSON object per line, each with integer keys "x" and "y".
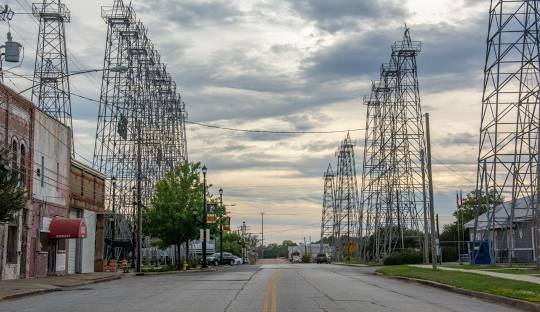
{"x": 240, "y": 290}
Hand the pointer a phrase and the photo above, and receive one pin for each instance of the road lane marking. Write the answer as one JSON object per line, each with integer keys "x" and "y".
{"x": 269, "y": 301}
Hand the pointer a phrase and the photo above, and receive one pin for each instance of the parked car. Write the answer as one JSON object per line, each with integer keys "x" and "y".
{"x": 238, "y": 260}
{"x": 211, "y": 259}
{"x": 323, "y": 258}
{"x": 228, "y": 258}
{"x": 296, "y": 259}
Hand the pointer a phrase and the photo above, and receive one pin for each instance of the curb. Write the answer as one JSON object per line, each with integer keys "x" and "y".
{"x": 352, "y": 265}
{"x": 60, "y": 288}
{"x": 516, "y": 303}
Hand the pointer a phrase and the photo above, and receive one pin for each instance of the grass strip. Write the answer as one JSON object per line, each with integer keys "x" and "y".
{"x": 471, "y": 281}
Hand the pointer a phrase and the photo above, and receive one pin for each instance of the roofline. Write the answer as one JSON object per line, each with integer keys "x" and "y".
{"x": 80, "y": 165}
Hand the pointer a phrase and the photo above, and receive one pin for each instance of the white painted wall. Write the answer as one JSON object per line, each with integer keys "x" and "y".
{"x": 51, "y": 140}
{"x": 71, "y": 252}
{"x": 89, "y": 243}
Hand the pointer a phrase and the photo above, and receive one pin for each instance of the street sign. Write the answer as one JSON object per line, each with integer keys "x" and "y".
{"x": 351, "y": 247}
{"x": 211, "y": 218}
{"x": 211, "y": 208}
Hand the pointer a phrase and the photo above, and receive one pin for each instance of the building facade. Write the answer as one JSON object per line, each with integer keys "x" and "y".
{"x": 50, "y": 195}
{"x": 87, "y": 201}
{"x": 16, "y": 139}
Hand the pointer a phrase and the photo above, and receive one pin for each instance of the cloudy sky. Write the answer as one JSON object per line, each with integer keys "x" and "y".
{"x": 288, "y": 65}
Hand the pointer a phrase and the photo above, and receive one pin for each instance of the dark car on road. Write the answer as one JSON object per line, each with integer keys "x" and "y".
{"x": 228, "y": 258}
{"x": 323, "y": 258}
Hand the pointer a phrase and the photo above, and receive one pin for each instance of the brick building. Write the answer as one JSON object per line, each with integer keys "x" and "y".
{"x": 60, "y": 229}
{"x": 87, "y": 201}
{"x": 16, "y": 135}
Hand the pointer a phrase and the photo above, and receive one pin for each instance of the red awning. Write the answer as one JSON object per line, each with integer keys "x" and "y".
{"x": 67, "y": 228}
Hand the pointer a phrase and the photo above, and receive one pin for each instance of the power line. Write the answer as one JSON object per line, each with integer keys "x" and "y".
{"x": 271, "y": 131}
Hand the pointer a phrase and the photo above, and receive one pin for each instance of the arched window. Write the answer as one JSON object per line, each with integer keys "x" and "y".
{"x": 23, "y": 166}
{"x": 14, "y": 154}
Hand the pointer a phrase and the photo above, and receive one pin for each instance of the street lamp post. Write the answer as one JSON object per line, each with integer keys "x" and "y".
{"x": 113, "y": 220}
{"x": 221, "y": 227}
{"x": 204, "y": 263}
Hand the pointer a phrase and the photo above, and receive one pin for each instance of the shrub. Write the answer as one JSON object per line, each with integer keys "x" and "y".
{"x": 403, "y": 257}
{"x": 306, "y": 259}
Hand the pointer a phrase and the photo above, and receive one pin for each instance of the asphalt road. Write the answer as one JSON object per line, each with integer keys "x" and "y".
{"x": 266, "y": 288}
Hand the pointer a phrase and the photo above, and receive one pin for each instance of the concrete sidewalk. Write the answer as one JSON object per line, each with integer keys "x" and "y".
{"x": 24, "y": 287}
{"x": 515, "y": 277}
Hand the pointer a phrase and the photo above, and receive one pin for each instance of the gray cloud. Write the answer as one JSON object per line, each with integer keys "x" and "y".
{"x": 461, "y": 138}
{"x": 450, "y": 56}
{"x": 339, "y": 15}
{"x": 194, "y": 13}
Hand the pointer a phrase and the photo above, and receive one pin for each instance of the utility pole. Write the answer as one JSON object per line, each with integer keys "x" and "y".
{"x": 439, "y": 249}
{"x": 139, "y": 190}
{"x": 262, "y": 235}
{"x": 431, "y": 208}
{"x": 458, "y": 206}
{"x": 113, "y": 218}
{"x": 426, "y": 230}
{"x": 537, "y": 208}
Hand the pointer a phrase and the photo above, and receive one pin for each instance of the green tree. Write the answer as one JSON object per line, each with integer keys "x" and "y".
{"x": 470, "y": 202}
{"x": 232, "y": 243}
{"x": 175, "y": 213}
{"x": 288, "y": 243}
{"x": 12, "y": 197}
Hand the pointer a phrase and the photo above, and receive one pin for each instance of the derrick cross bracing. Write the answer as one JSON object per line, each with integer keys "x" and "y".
{"x": 509, "y": 132}
{"x": 50, "y": 90}
{"x": 392, "y": 187}
{"x": 347, "y": 226}
{"x": 328, "y": 207}
{"x": 140, "y": 109}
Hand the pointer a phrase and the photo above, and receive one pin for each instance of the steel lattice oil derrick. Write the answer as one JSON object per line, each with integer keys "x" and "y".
{"x": 115, "y": 149}
{"x": 327, "y": 219}
{"x": 508, "y": 146}
{"x": 392, "y": 185}
{"x": 135, "y": 113}
{"x": 348, "y": 225}
{"x": 369, "y": 191}
{"x": 51, "y": 82}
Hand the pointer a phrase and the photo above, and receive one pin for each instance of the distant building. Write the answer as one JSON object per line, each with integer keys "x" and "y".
{"x": 523, "y": 238}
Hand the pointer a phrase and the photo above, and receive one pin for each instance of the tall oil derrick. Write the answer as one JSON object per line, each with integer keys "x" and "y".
{"x": 51, "y": 82}
{"x": 327, "y": 219}
{"x": 508, "y": 147}
{"x": 392, "y": 193}
{"x": 371, "y": 171}
{"x": 115, "y": 148}
{"x": 348, "y": 221}
{"x": 136, "y": 113}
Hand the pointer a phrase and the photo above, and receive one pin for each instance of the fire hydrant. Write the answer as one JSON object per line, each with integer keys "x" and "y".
{"x": 124, "y": 264}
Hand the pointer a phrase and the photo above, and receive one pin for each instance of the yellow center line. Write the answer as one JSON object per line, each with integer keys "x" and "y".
{"x": 270, "y": 294}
